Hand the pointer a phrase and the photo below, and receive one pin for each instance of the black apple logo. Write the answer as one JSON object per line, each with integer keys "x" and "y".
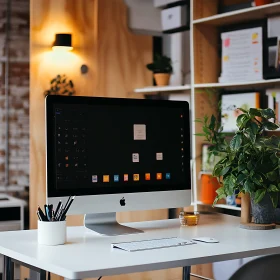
{"x": 122, "y": 202}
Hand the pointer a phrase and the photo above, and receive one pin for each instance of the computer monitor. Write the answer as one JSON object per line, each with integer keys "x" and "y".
{"x": 117, "y": 154}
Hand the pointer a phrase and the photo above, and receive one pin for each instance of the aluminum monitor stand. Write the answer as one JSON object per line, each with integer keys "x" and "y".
{"x": 106, "y": 224}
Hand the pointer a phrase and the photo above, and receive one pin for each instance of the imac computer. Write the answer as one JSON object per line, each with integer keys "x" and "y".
{"x": 117, "y": 154}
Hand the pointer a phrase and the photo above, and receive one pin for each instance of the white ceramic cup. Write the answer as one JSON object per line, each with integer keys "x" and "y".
{"x": 51, "y": 233}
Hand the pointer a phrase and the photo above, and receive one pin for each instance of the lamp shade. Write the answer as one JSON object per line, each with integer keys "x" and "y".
{"x": 63, "y": 41}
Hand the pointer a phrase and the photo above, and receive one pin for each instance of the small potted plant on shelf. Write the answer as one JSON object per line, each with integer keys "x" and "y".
{"x": 250, "y": 162}
{"x": 60, "y": 85}
{"x": 162, "y": 69}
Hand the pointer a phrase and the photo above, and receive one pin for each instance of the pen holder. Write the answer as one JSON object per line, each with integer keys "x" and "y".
{"x": 51, "y": 233}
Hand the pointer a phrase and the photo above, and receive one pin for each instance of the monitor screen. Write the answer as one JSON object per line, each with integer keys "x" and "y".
{"x": 113, "y": 145}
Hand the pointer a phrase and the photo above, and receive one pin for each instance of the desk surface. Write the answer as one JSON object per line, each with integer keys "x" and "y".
{"x": 87, "y": 254}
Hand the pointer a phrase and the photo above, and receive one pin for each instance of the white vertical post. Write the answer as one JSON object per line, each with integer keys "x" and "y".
{"x": 176, "y": 58}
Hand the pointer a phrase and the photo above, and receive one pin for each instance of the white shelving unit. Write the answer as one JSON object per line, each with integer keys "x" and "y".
{"x": 255, "y": 84}
{"x": 223, "y": 206}
{"x": 205, "y": 70}
{"x": 162, "y": 89}
{"x": 249, "y": 14}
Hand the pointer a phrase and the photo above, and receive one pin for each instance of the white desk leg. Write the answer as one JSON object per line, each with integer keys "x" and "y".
{"x": 186, "y": 273}
{"x": 8, "y": 273}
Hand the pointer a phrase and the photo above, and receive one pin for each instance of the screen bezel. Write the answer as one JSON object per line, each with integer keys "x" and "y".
{"x": 51, "y": 100}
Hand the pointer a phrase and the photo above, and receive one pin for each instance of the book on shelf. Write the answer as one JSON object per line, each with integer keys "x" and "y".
{"x": 230, "y": 104}
{"x": 273, "y": 102}
{"x": 242, "y": 55}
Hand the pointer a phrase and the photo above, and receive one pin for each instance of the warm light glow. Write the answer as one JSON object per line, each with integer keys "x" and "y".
{"x": 62, "y": 48}
{"x": 54, "y": 63}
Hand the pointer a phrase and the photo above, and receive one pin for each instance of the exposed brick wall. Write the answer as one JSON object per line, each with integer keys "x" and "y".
{"x": 18, "y": 93}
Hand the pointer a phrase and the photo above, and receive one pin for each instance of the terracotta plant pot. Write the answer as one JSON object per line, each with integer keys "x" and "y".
{"x": 262, "y": 2}
{"x": 162, "y": 79}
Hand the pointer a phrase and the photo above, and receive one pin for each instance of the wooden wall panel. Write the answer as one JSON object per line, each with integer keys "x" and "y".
{"x": 47, "y": 18}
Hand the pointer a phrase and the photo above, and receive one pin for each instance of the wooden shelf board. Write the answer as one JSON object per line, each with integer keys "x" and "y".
{"x": 239, "y": 84}
{"x": 162, "y": 89}
{"x": 242, "y": 15}
{"x": 224, "y": 206}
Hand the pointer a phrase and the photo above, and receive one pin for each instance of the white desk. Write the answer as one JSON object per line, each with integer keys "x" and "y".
{"x": 89, "y": 255}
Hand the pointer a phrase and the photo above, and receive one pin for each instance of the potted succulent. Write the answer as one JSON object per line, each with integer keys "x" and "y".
{"x": 250, "y": 162}
{"x": 162, "y": 69}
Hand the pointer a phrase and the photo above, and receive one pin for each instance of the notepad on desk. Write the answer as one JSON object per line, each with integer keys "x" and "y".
{"x": 151, "y": 244}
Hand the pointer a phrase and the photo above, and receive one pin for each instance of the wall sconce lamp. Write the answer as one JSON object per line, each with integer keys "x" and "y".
{"x": 63, "y": 42}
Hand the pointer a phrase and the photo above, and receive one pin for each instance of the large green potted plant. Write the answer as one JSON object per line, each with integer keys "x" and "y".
{"x": 250, "y": 160}
{"x": 162, "y": 69}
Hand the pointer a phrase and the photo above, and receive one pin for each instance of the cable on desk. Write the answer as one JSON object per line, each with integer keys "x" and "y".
{"x": 99, "y": 277}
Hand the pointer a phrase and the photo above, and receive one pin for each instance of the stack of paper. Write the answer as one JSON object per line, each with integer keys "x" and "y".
{"x": 242, "y": 55}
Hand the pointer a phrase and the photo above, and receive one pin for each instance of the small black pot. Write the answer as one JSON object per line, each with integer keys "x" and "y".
{"x": 263, "y": 212}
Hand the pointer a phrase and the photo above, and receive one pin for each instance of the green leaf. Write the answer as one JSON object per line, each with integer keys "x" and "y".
{"x": 220, "y": 191}
{"x": 250, "y": 166}
{"x": 225, "y": 171}
{"x": 254, "y": 128}
{"x": 268, "y": 113}
{"x": 212, "y": 122}
{"x": 240, "y": 178}
{"x": 241, "y": 167}
{"x": 257, "y": 179}
{"x": 199, "y": 134}
{"x": 272, "y": 188}
{"x": 241, "y": 120}
{"x": 235, "y": 143}
{"x": 274, "y": 198}
{"x": 259, "y": 195}
{"x": 217, "y": 170}
{"x": 272, "y": 176}
{"x": 249, "y": 186}
{"x": 250, "y": 135}
{"x": 229, "y": 183}
{"x": 245, "y": 171}
{"x": 270, "y": 126}
{"x": 254, "y": 112}
{"x": 206, "y": 130}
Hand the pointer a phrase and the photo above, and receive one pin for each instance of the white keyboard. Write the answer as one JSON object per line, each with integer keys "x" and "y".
{"x": 152, "y": 244}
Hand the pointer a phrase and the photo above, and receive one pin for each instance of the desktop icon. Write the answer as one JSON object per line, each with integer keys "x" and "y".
{"x": 135, "y": 177}
{"x": 125, "y": 177}
{"x": 106, "y": 178}
{"x": 94, "y": 179}
{"x": 147, "y": 176}
{"x": 159, "y": 156}
{"x": 167, "y": 176}
{"x": 116, "y": 178}
{"x": 122, "y": 202}
{"x": 135, "y": 157}
{"x": 159, "y": 176}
